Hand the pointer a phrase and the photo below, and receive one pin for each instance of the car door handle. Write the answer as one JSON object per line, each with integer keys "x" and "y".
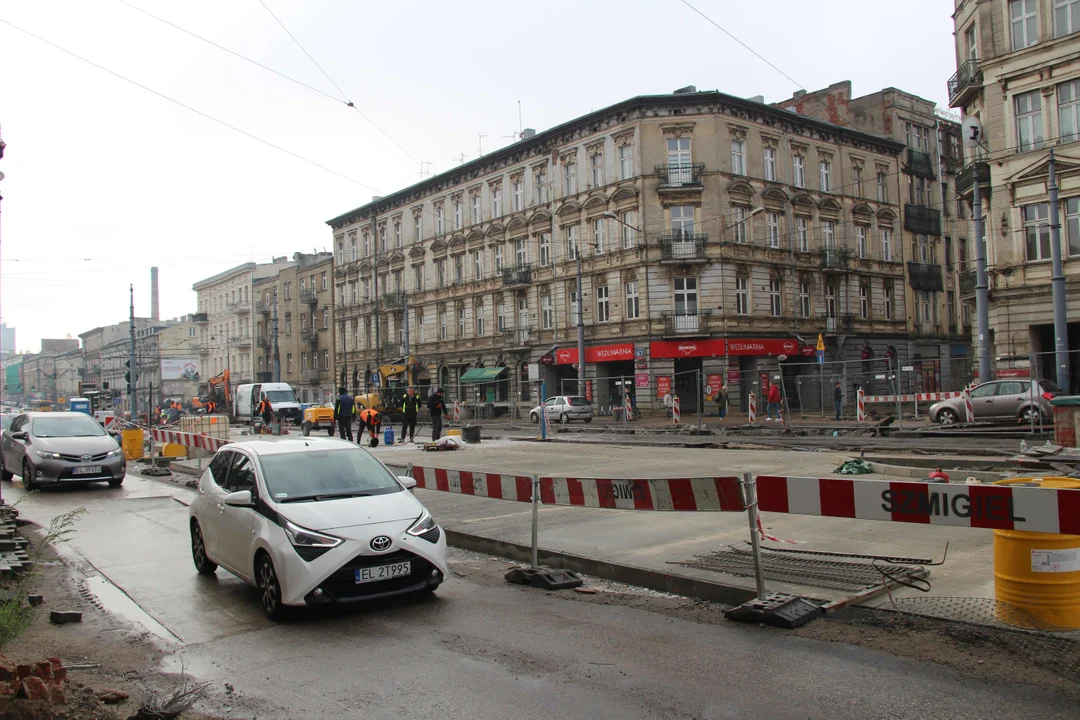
{"x": 221, "y": 507}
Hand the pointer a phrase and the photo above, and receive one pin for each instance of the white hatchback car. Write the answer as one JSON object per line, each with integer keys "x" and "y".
{"x": 314, "y": 521}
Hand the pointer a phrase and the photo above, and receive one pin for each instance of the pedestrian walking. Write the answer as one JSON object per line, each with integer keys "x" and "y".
{"x": 410, "y": 407}
{"x": 774, "y": 402}
{"x": 668, "y": 403}
{"x": 344, "y": 409}
{"x": 437, "y": 407}
{"x": 722, "y": 400}
{"x": 838, "y": 397}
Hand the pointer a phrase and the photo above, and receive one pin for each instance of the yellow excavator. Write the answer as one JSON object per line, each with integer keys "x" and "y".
{"x": 394, "y": 379}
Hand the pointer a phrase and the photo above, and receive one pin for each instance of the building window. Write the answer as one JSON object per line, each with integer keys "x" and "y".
{"x": 1037, "y": 231}
{"x": 860, "y": 241}
{"x": 475, "y": 207}
{"x": 804, "y": 299}
{"x": 515, "y": 195}
{"x": 772, "y": 229}
{"x": 921, "y": 251}
{"x": 948, "y": 254}
{"x": 1023, "y": 23}
{"x": 882, "y": 186}
{"x": 1066, "y": 17}
{"x": 682, "y": 221}
{"x": 570, "y": 179}
{"x": 603, "y": 304}
{"x": 440, "y": 273}
{"x": 864, "y": 302}
{"x": 1072, "y": 224}
{"x": 326, "y": 359}
{"x": 626, "y": 162}
{"x": 398, "y": 285}
{"x": 971, "y": 43}
{"x": 628, "y": 225}
{"x": 443, "y": 332}
{"x": 596, "y": 170}
{"x": 462, "y": 327}
{"x": 326, "y": 318}
{"x": 686, "y": 296}
{"x": 459, "y": 269}
{"x": 498, "y": 259}
{"x": 418, "y": 232}
{"x": 457, "y": 214}
{"x": 382, "y": 239}
{"x": 573, "y": 307}
{"x": 288, "y": 362}
{"x": 738, "y": 160}
{"x": 571, "y": 242}
{"x": 922, "y": 310}
{"x": 742, "y": 296}
{"x": 918, "y": 137}
{"x": 479, "y": 319}
{"x": 541, "y": 189}
{"x": 887, "y": 295}
{"x": 802, "y": 234}
{"x": 769, "y": 155}
{"x": 418, "y": 278}
{"x": 288, "y": 291}
{"x": 825, "y": 168}
{"x": 521, "y": 252}
{"x": 478, "y": 265}
{"x": 397, "y": 233}
{"x": 1029, "y": 126}
{"x": 830, "y": 301}
{"x": 1069, "y": 109}
{"x": 324, "y": 280}
{"x": 353, "y": 249}
{"x": 633, "y": 307}
{"x": 886, "y": 245}
{"x": 547, "y": 314}
{"x": 545, "y": 249}
{"x": 598, "y": 236}
{"x": 500, "y": 316}
{"x": 798, "y": 171}
{"x": 440, "y": 225}
{"x": 678, "y": 154}
{"x": 738, "y": 217}
{"x": 496, "y": 201}
{"x": 776, "y": 308}
{"x": 856, "y": 179}
{"x": 828, "y": 234}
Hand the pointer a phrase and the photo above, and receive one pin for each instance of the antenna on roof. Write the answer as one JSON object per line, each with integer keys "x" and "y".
{"x": 480, "y": 146}
{"x": 521, "y": 126}
{"x": 461, "y": 159}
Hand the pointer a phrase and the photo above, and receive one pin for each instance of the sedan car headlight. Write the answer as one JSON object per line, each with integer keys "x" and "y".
{"x": 48, "y": 455}
{"x": 114, "y": 453}
{"x": 423, "y": 524}
{"x": 304, "y": 538}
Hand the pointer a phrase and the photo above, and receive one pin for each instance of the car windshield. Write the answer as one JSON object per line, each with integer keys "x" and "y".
{"x": 66, "y": 426}
{"x": 276, "y": 396}
{"x": 324, "y": 474}
{"x": 5, "y": 421}
{"x": 577, "y": 401}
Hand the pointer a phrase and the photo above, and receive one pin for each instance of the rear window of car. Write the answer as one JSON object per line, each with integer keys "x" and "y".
{"x": 578, "y": 401}
{"x": 1050, "y": 386}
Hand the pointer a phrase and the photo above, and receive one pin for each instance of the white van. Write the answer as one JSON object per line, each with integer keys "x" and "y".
{"x": 247, "y": 399}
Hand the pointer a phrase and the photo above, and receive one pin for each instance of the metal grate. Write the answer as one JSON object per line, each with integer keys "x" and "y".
{"x": 803, "y": 568}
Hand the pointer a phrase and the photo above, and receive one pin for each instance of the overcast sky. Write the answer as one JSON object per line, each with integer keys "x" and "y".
{"x": 105, "y": 179}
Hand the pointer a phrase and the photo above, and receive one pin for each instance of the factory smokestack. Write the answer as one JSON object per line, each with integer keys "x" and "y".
{"x": 154, "y": 312}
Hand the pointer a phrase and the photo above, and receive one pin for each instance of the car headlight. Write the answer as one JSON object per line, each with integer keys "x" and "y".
{"x": 48, "y": 455}
{"x": 114, "y": 453}
{"x": 304, "y": 538}
{"x": 423, "y": 524}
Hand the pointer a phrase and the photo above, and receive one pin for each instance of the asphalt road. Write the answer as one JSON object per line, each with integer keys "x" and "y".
{"x": 482, "y": 649}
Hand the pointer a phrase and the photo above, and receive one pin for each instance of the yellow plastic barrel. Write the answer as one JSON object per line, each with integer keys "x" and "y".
{"x": 1038, "y": 572}
{"x": 172, "y": 450}
{"x": 132, "y": 442}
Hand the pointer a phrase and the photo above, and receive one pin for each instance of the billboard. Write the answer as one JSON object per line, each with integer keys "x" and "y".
{"x": 180, "y": 369}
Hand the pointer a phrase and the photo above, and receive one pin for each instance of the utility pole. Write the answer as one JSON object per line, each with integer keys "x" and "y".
{"x": 375, "y": 273}
{"x": 580, "y": 326}
{"x": 1057, "y": 284}
{"x": 133, "y": 399}
{"x": 277, "y": 353}
{"x": 982, "y": 300}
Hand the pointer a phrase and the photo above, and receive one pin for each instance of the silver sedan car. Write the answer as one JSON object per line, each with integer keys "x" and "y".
{"x": 564, "y": 408}
{"x": 1012, "y": 399}
{"x": 63, "y": 447}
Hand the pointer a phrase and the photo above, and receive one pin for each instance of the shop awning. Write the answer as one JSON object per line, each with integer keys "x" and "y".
{"x": 481, "y": 374}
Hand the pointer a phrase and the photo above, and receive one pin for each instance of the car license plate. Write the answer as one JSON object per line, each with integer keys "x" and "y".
{"x": 87, "y": 470}
{"x": 383, "y": 572}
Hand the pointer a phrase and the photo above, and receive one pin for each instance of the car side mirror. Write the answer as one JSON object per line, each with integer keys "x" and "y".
{"x": 241, "y": 498}
{"x": 408, "y": 482}
{"x": 20, "y": 435}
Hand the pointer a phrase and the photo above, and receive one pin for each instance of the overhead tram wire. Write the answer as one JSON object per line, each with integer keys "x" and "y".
{"x": 189, "y": 107}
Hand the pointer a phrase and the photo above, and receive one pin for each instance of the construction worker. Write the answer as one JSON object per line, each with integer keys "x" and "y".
{"x": 371, "y": 420}
{"x": 266, "y": 410}
{"x": 437, "y": 407}
{"x": 344, "y": 409}
{"x": 410, "y": 406}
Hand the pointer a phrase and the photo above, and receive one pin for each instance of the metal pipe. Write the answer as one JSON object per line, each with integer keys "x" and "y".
{"x": 1057, "y": 284}
{"x": 580, "y": 325}
{"x": 535, "y": 521}
{"x": 982, "y": 298}
{"x": 133, "y": 397}
{"x": 750, "y": 500}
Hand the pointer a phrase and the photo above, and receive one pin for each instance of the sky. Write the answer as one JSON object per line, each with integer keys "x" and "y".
{"x": 104, "y": 179}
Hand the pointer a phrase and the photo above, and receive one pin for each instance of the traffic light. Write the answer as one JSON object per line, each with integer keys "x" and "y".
{"x": 104, "y": 384}
{"x": 130, "y": 376}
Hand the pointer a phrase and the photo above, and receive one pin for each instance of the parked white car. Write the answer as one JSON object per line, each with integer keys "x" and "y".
{"x": 314, "y": 521}
{"x": 564, "y": 408}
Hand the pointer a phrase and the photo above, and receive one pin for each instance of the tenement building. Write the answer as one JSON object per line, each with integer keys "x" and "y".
{"x": 1018, "y": 72}
{"x": 716, "y": 235}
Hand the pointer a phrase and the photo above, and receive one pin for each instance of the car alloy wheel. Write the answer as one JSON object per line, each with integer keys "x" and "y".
{"x": 946, "y": 417}
{"x": 28, "y": 476}
{"x": 534, "y": 417}
{"x": 1031, "y": 415}
{"x": 269, "y": 588}
{"x": 565, "y": 419}
{"x": 203, "y": 564}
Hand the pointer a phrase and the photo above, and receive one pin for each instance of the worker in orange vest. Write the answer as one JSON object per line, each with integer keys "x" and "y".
{"x": 372, "y": 421}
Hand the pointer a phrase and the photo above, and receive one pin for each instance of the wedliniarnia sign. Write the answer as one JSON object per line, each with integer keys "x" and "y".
{"x": 999, "y": 507}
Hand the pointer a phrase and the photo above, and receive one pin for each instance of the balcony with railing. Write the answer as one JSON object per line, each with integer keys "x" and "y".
{"x": 966, "y": 178}
{"x": 242, "y": 341}
{"x": 967, "y": 79}
{"x": 925, "y": 276}
{"x": 517, "y": 274}
{"x": 683, "y": 247}
{"x": 262, "y": 341}
{"x": 922, "y": 220}
{"x": 309, "y": 334}
{"x": 835, "y": 259}
{"x": 844, "y": 323}
{"x": 686, "y": 324}
{"x": 264, "y": 307}
{"x": 238, "y": 306}
{"x": 200, "y": 317}
{"x": 309, "y": 296}
{"x": 680, "y": 177}
{"x": 920, "y": 164}
{"x": 517, "y": 337}
{"x": 310, "y": 375}
{"x": 393, "y": 300}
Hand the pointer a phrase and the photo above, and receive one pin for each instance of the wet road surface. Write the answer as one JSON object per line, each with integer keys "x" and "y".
{"x": 482, "y": 649}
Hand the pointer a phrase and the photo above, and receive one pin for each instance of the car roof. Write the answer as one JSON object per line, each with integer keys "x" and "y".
{"x": 63, "y": 413}
{"x": 283, "y": 445}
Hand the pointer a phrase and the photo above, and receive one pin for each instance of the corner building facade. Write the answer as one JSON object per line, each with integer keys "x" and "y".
{"x": 716, "y": 234}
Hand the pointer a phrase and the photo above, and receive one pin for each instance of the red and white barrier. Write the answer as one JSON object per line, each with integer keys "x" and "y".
{"x": 480, "y": 484}
{"x": 191, "y": 440}
{"x": 913, "y": 397}
{"x": 969, "y": 411}
{"x": 457, "y": 411}
{"x": 999, "y": 507}
{"x": 861, "y": 405}
{"x": 751, "y": 407}
{"x": 676, "y": 414}
{"x": 629, "y": 409}
{"x": 710, "y": 494}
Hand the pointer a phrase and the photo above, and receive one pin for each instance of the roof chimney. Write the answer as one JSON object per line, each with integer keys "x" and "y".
{"x": 154, "y": 310}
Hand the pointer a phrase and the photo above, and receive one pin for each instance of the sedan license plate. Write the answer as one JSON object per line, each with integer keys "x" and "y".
{"x": 87, "y": 470}
{"x": 383, "y": 572}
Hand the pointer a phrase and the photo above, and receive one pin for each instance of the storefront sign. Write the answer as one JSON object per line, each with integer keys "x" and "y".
{"x": 715, "y": 348}
{"x": 663, "y": 386}
{"x": 807, "y": 350}
{"x": 642, "y": 366}
{"x": 642, "y": 380}
{"x": 712, "y": 384}
{"x": 733, "y": 377}
{"x": 768, "y": 346}
{"x": 597, "y": 354}
{"x": 689, "y": 348}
